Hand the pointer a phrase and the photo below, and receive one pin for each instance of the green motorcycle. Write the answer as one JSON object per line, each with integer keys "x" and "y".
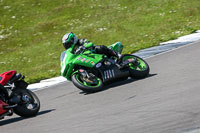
{"x": 90, "y": 72}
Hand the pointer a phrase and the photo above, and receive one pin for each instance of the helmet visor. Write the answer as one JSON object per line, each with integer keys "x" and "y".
{"x": 68, "y": 44}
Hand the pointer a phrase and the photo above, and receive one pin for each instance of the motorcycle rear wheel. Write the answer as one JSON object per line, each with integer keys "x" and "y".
{"x": 140, "y": 69}
{"x": 82, "y": 85}
{"x": 30, "y": 104}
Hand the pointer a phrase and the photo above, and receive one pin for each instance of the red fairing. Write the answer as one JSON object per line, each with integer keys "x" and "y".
{"x": 5, "y": 77}
{"x": 1, "y": 107}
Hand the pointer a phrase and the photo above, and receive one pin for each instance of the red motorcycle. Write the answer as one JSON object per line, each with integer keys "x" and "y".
{"x": 15, "y": 97}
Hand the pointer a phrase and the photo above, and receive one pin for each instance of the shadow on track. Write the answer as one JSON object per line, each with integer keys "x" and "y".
{"x": 120, "y": 83}
{"x": 13, "y": 120}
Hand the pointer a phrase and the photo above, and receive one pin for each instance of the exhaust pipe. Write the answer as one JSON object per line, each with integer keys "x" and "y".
{"x": 9, "y": 107}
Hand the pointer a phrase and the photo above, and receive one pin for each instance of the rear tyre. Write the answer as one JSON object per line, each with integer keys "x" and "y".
{"x": 29, "y": 105}
{"x": 137, "y": 70}
{"x": 85, "y": 86}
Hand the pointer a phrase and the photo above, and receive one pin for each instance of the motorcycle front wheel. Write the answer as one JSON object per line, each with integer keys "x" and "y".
{"x": 29, "y": 105}
{"x": 85, "y": 86}
{"x": 139, "y": 69}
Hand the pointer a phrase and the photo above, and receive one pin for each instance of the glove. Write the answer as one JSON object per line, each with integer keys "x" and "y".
{"x": 82, "y": 41}
{"x": 80, "y": 49}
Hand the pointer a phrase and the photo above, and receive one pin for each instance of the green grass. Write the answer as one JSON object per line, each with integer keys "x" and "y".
{"x": 31, "y": 30}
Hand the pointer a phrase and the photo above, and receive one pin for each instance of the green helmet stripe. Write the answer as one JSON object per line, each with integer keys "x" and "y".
{"x": 71, "y": 35}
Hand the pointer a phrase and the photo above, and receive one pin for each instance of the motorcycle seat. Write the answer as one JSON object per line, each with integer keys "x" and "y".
{"x": 15, "y": 77}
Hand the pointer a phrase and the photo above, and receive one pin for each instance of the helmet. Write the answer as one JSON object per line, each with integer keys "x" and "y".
{"x": 69, "y": 40}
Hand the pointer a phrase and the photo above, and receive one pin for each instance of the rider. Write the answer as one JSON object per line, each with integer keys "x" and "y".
{"x": 70, "y": 40}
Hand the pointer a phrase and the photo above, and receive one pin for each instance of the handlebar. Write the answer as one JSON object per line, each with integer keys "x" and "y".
{"x": 80, "y": 50}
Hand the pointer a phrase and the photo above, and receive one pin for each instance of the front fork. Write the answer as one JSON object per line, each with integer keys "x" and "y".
{"x": 88, "y": 78}
{"x": 127, "y": 62}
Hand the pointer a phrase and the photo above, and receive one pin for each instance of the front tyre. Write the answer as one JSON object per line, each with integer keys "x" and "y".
{"x": 29, "y": 105}
{"x": 83, "y": 85}
{"x": 139, "y": 69}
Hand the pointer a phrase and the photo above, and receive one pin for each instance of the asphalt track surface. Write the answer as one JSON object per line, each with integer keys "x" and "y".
{"x": 165, "y": 102}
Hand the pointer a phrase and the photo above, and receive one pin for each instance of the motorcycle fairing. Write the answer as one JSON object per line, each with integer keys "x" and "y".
{"x": 111, "y": 72}
{"x": 89, "y": 60}
{"x": 6, "y": 76}
{"x": 69, "y": 60}
{"x": 1, "y": 107}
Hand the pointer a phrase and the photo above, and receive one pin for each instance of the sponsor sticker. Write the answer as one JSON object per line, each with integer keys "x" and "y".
{"x": 110, "y": 73}
{"x": 79, "y": 58}
{"x": 130, "y": 60}
{"x": 81, "y": 70}
{"x": 92, "y": 63}
{"x": 98, "y": 65}
{"x": 83, "y": 59}
{"x": 113, "y": 73}
{"x": 87, "y": 61}
{"x": 107, "y": 74}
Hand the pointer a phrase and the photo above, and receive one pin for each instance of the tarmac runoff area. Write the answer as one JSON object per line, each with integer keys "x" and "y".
{"x": 146, "y": 53}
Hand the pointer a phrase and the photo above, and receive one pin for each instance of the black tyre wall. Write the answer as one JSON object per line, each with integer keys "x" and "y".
{"x": 86, "y": 88}
{"x": 21, "y": 110}
{"x": 138, "y": 74}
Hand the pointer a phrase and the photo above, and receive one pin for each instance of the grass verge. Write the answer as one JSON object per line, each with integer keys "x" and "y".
{"x": 31, "y": 31}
